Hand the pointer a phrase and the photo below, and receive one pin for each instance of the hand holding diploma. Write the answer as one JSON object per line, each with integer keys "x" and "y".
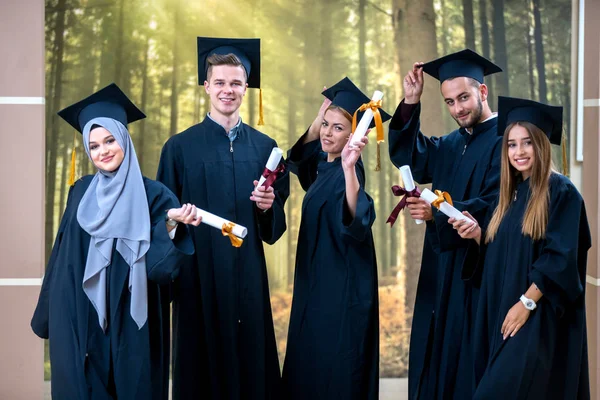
{"x": 263, "y": 197}
{"x": 467, "y": 229}
{"x": 186, "y": 214}
{"x": 443, "y": 202}
{"x": 410, "y": 190}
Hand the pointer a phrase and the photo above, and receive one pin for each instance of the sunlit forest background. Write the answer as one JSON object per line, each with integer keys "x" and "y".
{"x": 148, "y": 47}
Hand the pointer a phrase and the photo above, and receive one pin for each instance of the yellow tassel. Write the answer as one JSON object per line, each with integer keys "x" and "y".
{"x": 378, "y": 165}
{"x": 71, "y": 180}
{"x": 564, "y": 155}
{"x": 261, "y": 120}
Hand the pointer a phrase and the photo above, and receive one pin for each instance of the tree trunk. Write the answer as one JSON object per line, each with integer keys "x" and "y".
{"x": 417, "y": 43}
{"x": 539, "y": 53}
{"x": 468, "y": 24}
{"x": 119, "y": 79}
{"x": 500, "y": 53}
{"x": 52, "y": 139}
{"x": 175, "y": 65}
{"x": 485, "y": 47}
{"x": 530, "y": 60}
{"x": 142, "y": 132}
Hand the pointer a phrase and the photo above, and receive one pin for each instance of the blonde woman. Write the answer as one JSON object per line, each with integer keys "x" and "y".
{"x": 530, "y": 331}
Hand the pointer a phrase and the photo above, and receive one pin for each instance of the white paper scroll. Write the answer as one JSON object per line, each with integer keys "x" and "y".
{"x": 446, "y": 208}
{"x": 409, "y": 183}
{"x": 366, "y": 119}
{"x": 218, "y": 222}
{"x": 272, "y": 163}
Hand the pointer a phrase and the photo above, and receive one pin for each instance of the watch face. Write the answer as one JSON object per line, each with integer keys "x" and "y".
{"x": 529, "y": 304}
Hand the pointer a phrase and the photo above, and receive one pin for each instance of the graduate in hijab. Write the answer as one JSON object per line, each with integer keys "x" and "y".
{"x": 466, "y": 164}
{"x": 224, "y": 340}
{"x": 530, "y": 331}
{"x": 101, "y": 304}
{"x": 333, "y": 339}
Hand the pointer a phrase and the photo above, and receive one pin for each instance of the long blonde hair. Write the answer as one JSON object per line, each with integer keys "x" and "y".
{"x": 535, "y": 219}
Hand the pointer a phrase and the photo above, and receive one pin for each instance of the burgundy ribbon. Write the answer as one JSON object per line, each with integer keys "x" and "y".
{"x": 270, "y": 176}
{"x": 400, "y": 191}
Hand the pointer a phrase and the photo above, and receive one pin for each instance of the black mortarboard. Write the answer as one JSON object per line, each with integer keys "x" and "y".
{"x": 548, "y": 118}
{"x": 108, "y": 102}
{"x": 247, "y": 50}
{"x": 463, "y": 63}
{"x": 346, "y": 95}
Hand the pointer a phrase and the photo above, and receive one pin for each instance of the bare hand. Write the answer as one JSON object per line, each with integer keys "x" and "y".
{"x": 186, "y": 214}
{"x": 413, "y": 84}
{"x": 466, "y": 229}
{"x": 515, "y": 319}
{"x": 263, "y": 197}
{"x": 419, "y": 208}
{"x": 351, "y": 152}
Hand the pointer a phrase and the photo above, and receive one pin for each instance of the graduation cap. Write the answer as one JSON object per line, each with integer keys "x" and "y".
{"x": 109, "y": 102}
{"x": 548, "y": 118}
{"x": 463, "y": 63}
{"x": 246, "y": 50}
{"x": 347, "y": 96}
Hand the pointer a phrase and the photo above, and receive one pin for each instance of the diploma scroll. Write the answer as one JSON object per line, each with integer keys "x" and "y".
{"x": 444, "y": 206}
{"x": 272, "y": 166}
{"x": 366, "y": 119}
{"x": 409, "y": 183}
{"x": 218, "y": 222}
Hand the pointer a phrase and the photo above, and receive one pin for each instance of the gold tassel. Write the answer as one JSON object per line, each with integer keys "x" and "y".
{"x": 71, "y": 180}
{"x": 564, "y": 155}
{"x": 261, "y": 120}
{"x": 378, "y": 165}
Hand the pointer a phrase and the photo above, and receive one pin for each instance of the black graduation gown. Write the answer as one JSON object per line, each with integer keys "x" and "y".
{"x": 125, "y": 362}
{"x": 224, "y": 340}
{"x": 333, "y": 339}
{"x": 547, "y": 358}
{"x": 468, "y": 167}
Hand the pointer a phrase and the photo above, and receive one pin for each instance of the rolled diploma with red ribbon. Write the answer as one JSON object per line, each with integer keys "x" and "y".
{"x": 446, "y": 208}
{"x": 272, "y": 163}
{"x": 366, "y": 119}
{"x": 218, "y": 222}
{"x": 409, "y": 183}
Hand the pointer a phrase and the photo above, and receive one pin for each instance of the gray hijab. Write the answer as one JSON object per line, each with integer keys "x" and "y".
{"x": 115, "y": 207}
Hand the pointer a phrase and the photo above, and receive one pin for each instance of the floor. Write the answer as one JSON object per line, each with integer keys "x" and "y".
{"x": 389, "y": 389}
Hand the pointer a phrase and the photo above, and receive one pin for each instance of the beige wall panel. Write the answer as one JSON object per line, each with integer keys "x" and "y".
{"x": 22, "y": 48}
{"x": 22, "y": 367}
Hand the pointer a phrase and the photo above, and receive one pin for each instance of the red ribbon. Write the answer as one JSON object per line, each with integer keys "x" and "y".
{"x": 400, "y": 191}
{"x": 270, "y": 176}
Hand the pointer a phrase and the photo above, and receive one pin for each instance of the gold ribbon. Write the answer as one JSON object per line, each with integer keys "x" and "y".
{"x": 374, "y": 106}
{"x": 71, "y": 180}
{"x": 227, "y": 230}
{"x": 441, "y": 197}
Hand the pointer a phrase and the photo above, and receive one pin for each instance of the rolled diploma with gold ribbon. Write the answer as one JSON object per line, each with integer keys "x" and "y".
{"x": 366, "y": 119}
{"x": 409, "y": 183}
{"x": 272, "y": 163}
{"x": 218, "y": 222}
{"x": 446, "y": 208}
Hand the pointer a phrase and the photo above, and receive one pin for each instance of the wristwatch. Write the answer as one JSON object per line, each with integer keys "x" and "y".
{"x": 170, "y": 222}
{"x": 528, "y": 303}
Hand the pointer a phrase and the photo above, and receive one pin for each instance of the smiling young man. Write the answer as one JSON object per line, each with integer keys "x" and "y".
{"x": 224, "y": 341}
{"x": 466, "y": 164}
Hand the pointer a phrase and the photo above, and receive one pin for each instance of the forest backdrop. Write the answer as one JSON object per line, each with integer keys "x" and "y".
{"x": 148, "y": 47}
